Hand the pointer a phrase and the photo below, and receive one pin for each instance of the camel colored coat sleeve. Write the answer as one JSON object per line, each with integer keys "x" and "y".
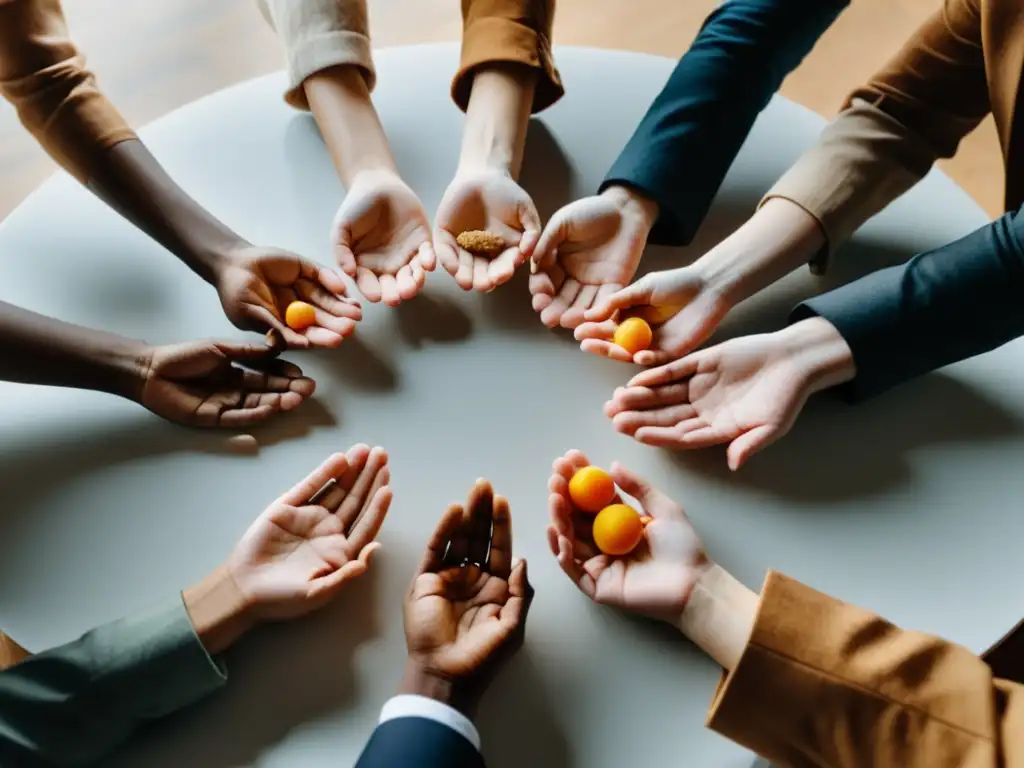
{"x": 824, "y": 684}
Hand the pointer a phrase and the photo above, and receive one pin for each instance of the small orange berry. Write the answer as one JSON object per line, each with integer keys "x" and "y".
{"x": 618, "y": 529}
{"x": 300, "y": 315}
{"x": 633, "y": 335}
{"x": 591, "y": 489}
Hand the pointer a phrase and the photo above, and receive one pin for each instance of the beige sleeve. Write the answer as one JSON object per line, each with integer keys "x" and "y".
{"x": 863, "y": 161}
{"x": 318, "y": 34}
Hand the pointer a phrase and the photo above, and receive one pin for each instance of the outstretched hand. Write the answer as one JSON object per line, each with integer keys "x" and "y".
{"x": 219, "y": 384}
{"x": 655, "y": 579}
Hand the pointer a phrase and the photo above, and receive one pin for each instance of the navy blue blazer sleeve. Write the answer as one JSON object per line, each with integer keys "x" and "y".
{"x": 417, "y": 742}
{"x": 686, "y": 142}
{"x": 940, "y": 307}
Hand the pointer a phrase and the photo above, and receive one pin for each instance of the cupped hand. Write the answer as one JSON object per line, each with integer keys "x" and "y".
{"x": 381, "y": 237}
{"x": 466, "y": 609}
{"x": 589, "y": 250}
{"x": 219, "y": 384}
{"x": 655, "y": 579}
{"x": 487, "y": 200}
{"x": 681, "y": 306}
{"x": 316, "y": 538}
{"x": 256, "y": 285}
{"x": 746, "y": 392}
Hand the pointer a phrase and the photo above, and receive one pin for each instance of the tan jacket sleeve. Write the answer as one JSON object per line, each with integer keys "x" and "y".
{"x": 823, "y": 684}
{"x": 43, "y": 75}
{"x": 318, "y": 34}
{"x": 515, "y": 31}
{"x": 10, "y": 652}
{"x": 915, "y": 110}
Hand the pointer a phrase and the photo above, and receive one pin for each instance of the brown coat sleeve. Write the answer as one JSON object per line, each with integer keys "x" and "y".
{"x": 44, "y": 77}
{"x": 823, "y": 684}
{"x": 10, "y": 652}
{"x": 508, "y": 31}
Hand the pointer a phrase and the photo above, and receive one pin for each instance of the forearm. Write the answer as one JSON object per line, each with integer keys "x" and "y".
{"x": 497, "y": 118}
{"x": 942, "y": 306}
{"x": 40, "y": 350}
{"x": 778, "y": 238}
{"x": 131, "y": 181}
{"x": 339, "y": 98}
{"x": 218, "y": 611}
{"x": 719, "y": 615}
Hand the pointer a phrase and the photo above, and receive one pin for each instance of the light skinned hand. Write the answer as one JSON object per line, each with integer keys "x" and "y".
{"x": 655, "y": 579}
{"x": 219, "y": 383}
{"x": 486, "y": 199}
{"x": 381, "y": 238}
{"x": 746, "y": 392}
{"x": 589, "y": 250}
{"x": 681, "y": 306}
{"x": 466, "y": 610}
{"x": 256, "y": 285}
{"x": 301, "y": 552}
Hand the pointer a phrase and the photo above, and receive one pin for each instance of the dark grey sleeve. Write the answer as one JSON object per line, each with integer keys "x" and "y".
{"x": 940, "y": 307}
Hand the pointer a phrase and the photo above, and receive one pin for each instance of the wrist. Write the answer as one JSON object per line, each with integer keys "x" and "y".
{"x": 631, "y": 202}
{"x": 219, "y": 611}
{"x": 128, "y": 364}
{"x": 421, "y": 680}
{"x": 719, "y": 615}
{"x": 821, "y": 352}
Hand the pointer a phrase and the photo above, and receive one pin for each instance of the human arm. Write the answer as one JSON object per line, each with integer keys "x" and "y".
{"x": 798, "y": 667}
{"x": 203, "y": 383}
{"x": 465, "y": 615}
{"x": 505, "y": 73}
{"x": 73, "y": 704}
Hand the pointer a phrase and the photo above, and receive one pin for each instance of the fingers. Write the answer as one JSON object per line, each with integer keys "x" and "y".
{"x": 633, "y": 484}
{"x": 551, "y": 237}
{"x": 369, "y": 523}
{"x": 584, "y": 299}
{"x": 529, "y": 223}
{"x": 544, "y": 285}
{"x": 260, "y": 382}
{"x": 629, "y": 422}
{"x": 479, "y": 512}
{"x": 515, "y": 610}
{"x": 551, "y": 316}
{"x": 645, "y": 398}
{"x": 345, "y": 258}
{"x": 499, "y": 561}
{"x": 426, "y": 257}
{"x": 330, "y": 304}
{"x": 606, "y": 349}
{"x": 501, "y": 269}
{"x": 359, "y": 488}
{"x": 666, "y": 374}
{"x": 623, "y": 298}
{"x": 389, "y": 292}
{"x": 749, "y": 443}
{"x": 562, "y": 549}
{"x": 434, "y": 558}
{"x": 265, "y": 319}
{"x": 332, "y": 468}
{"x": 327, "y": 587}
{"x": 368, "y": 284}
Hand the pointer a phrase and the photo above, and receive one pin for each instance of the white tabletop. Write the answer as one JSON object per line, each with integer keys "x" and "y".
{"x": 909, "y": 504}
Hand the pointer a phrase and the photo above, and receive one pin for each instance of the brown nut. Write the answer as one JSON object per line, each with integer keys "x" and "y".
{"x": 482, "y": 242}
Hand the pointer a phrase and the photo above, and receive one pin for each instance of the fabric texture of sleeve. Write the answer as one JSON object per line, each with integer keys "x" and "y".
{"x": 420, "y": 706}
{"x": 823, "y": 684}
{"x": 43, "y": 75}
{"x": 942, "y": 306}
{"x": 509, "y": 31}
{"x": 318, "y": 34}
{"x": 73, "y": 704}
{"x": 418, "y": 742}
{"x": 691, "y": 134}
{"x": 863, "y": 161}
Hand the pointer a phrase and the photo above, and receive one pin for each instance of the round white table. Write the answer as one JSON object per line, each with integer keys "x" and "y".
{"x": 909, "y": 505}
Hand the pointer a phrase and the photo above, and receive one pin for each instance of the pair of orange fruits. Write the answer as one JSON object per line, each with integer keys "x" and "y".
{"x": 618, "y": 528}
{"x": 633, "y": 334}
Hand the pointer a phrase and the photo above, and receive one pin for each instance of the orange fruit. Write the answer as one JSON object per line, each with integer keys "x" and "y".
{"x": 633, "y": 335}
{"x": 300, "y": 315}
{"x": 591, "y": 489}
{"x": 618, "y": 529}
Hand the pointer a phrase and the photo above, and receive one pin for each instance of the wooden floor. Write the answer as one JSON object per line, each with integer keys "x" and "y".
{"x": 155, "y": 55}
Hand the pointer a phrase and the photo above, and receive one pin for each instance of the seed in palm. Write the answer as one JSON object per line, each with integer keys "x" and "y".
{"x": 481, "y": 242}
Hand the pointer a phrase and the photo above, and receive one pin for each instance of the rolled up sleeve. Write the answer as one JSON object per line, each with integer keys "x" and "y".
{"x": 824, "y": 684}
{"x": 317, "y": 35}
{"x": 44, "y": 76}
{"x": 508, "y": 31}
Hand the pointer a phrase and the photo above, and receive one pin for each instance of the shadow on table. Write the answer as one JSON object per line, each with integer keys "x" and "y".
{"x": 29, "y": 471}
{"x": 837, "y": 453}
{"x": 432, "y": 317}
{"x": 359, "y": 365}
{"x": 517, "y": 724}
{"x": 546, "y": 174}
{"x": 280, "y": 677}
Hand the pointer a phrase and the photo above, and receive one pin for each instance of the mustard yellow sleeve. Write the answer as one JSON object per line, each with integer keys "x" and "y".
{"x": 10, "y": 652}
{"x": 511, "y": 31}
{"x": 43, "y": 75}
{"x": 823, "y": 684}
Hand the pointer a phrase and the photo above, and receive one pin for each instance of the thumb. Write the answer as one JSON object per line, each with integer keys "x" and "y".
{"x": 638, "y": 293}
{"x": 248, "y": 352}
{"x": 554, "y": 234}
{"x": 749, "y": 443}
{"x": 367, "y": 552}
{"x": 341, "y": 243}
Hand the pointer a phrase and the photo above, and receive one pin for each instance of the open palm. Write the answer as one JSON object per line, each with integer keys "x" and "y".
{"x": 467, "y": 600}
{"x": 315, "y": 538}
{"x": 746, "y": 392}
{"x": 656, "y": 579}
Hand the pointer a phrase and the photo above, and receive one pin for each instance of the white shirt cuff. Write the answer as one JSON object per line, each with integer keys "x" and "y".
{"x": 409, "y": 705}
